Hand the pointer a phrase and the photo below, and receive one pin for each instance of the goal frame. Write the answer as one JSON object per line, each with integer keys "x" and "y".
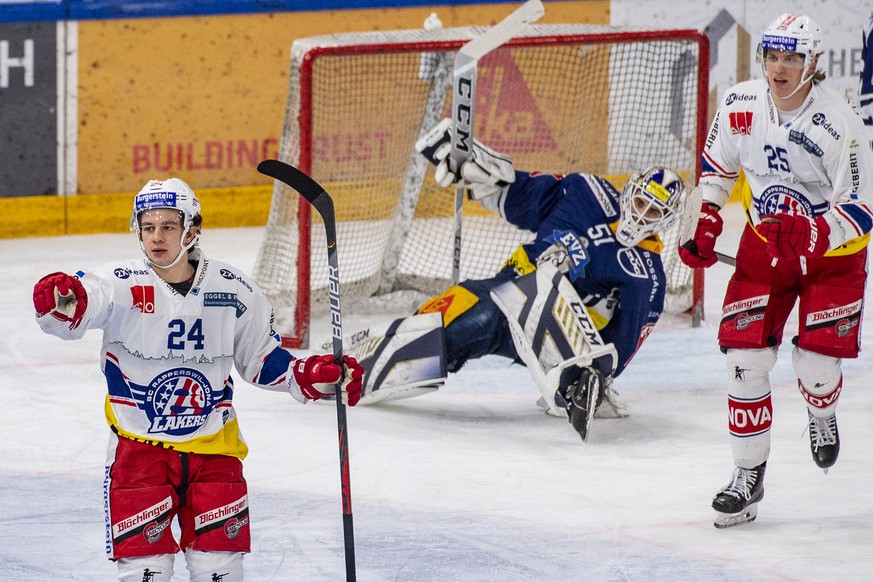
{"x": 599, "y": 36}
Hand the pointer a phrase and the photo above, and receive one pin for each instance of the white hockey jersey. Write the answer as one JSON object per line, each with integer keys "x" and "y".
{"x": 815, "y": 164}
{"x": 167, "y": 358}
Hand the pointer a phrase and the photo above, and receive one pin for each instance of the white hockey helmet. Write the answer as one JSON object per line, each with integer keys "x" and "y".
{"x": 793, "y": 33}
{"x": 171, "y": 193}
{"x": 649, "y": 203}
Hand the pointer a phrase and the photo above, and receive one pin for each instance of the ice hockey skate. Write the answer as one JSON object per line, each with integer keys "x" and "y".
{"x": 737, "y": 502}
{"x": 824, "y": 440}
{"x": 610, "y": 403}
{"x": 580, "y": 399}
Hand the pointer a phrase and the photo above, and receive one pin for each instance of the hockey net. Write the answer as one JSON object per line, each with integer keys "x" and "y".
{"x": 558, "y": 99}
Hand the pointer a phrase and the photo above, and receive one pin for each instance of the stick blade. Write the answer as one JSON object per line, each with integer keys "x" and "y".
{"x": 690, "y": 213}
{"x": 291, "y": 176}
{"x": 503, "y": 31}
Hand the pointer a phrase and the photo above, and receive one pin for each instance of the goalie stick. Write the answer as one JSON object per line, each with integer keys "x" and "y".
{"x": 688, "y": 225}
{"x": 321, "y": 200}
{"x": 464, "y": 98}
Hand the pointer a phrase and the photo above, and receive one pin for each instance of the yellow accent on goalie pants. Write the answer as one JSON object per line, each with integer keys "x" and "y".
{"x": 451, "y": 303}
{"x": 520, "y": 262}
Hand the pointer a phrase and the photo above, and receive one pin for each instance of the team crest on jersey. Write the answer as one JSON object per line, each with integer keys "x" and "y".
{"x": 779, "y": 198}
{"x": 575, "y": 247}
{"x": 178, "y": 401}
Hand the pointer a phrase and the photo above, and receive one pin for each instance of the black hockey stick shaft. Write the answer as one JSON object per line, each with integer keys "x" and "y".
{"x": 321, "y": 200}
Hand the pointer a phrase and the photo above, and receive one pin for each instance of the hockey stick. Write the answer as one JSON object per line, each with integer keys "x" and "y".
{"x": 434, "y": 68}
{"x": 464, "y": 99}
{"x": 688, "y": 225}
{"x": 321, "y": 200}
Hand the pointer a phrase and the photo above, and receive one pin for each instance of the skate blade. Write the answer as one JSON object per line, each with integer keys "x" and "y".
{"x": 725, "y": 520}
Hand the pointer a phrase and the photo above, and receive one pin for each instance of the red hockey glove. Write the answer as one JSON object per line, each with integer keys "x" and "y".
{"x": 702, "y": 251}
{"x": 795, "y": 235}
{"x": 61, "y": 295}
{"x": 317, "y": 375}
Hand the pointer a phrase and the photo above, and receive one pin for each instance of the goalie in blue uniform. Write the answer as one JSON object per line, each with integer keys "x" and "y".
{"x": 574, "y": 305}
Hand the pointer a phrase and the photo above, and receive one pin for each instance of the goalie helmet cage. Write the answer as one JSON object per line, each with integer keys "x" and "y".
{"x": 557, "y": 98}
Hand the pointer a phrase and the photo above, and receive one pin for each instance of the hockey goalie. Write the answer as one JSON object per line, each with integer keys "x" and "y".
{"x": 573, "y": 306}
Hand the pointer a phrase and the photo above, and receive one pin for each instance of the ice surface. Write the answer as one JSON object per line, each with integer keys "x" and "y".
{"x": 470, "y": 483}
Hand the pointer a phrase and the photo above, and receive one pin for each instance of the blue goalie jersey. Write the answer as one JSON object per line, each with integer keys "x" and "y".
{"x": 622, "y": 287}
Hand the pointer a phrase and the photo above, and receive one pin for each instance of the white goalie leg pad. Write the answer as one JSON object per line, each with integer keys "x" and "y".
{"x": 750, "y": 412}
{"x": 820, "y": 380}
{"x": 157, "y": 568}
{"x": 402, "y": 359}
{"x": 613, "y": 405}
{"x": 211, "y": 566}
{"x": 551, "y": 329}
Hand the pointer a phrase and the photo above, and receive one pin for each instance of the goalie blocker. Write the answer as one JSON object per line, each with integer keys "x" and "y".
{"x": 552, "y": 332}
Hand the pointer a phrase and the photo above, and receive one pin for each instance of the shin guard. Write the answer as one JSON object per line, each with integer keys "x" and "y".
{"x": 750, "y": 411}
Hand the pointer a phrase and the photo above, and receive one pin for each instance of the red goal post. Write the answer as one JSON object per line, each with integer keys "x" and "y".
{"x": 558, "y": 98}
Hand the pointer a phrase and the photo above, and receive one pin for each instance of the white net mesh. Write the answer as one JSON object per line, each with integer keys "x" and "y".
{"x": 559, "y": 99}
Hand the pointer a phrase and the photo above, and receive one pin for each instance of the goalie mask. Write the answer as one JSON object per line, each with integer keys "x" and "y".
{"x": 175, "y": 194}
{"x": 649, "y": 203}
{"x": 793, "y": 33}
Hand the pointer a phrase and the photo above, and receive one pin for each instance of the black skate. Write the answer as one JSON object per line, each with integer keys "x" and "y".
{"x": 824, "y": 440}
{"x": 737, "y": 502}
{"x": 580, "y": 399}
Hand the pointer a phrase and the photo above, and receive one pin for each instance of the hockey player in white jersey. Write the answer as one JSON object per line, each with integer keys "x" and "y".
{"x": 175, "y": 323}
{"x": 808, "y": 190}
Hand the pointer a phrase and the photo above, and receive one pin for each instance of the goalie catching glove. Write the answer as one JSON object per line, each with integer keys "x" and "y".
{"x": 61, "y": 295}
{"x": 317, "y": 376}
{"x": 486, "y": 173}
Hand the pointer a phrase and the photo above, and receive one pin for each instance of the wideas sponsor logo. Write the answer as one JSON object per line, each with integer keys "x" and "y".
{"x": 821, "y": 120}
{"x": 125, "y": 273}
{"x": 231, "y": 276}
{"x": 742, "y": 97}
